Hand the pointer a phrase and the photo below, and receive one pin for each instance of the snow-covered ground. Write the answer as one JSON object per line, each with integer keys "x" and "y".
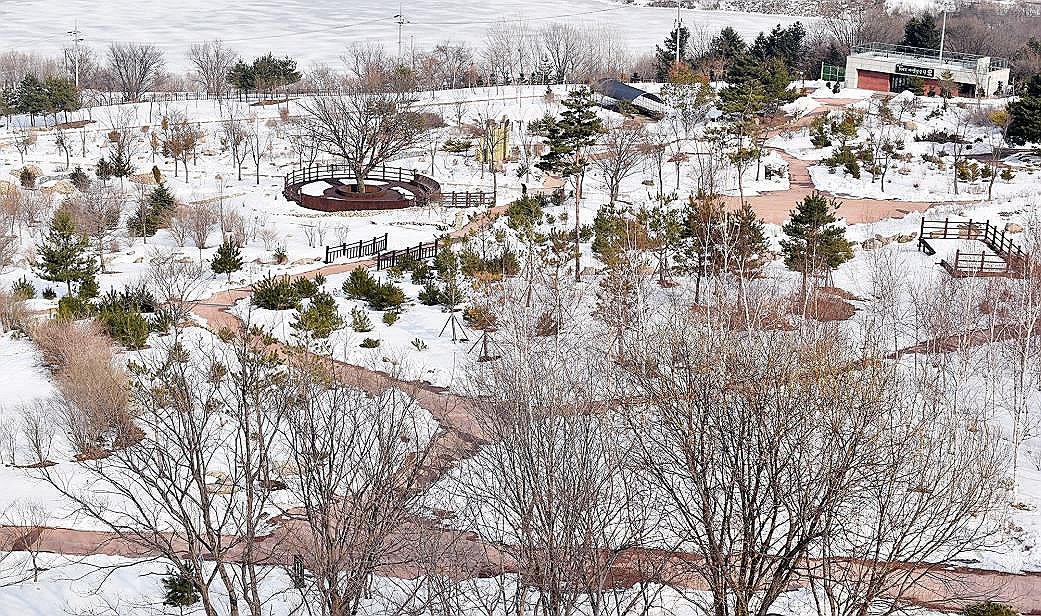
{"x": 271, "y": 223}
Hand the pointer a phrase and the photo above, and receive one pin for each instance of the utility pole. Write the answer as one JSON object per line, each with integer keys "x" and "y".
{"x": 401, "y": 21}
{"x": 678, "y": 22}
{"x": 76, "y": 40}
{"x": 943, "y": 34}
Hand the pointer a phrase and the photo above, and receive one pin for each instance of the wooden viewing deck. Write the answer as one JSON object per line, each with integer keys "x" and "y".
{"x": 1005, "y": 259}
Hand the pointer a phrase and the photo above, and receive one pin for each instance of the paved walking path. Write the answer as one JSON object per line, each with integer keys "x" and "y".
{"x": 775, "y": 206}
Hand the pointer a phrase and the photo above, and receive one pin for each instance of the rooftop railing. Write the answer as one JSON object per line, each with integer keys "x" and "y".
{"x": 966, "y": 60}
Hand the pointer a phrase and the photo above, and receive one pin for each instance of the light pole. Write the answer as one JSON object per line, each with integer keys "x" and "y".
{"x": 401, "y": 21}
{"x": 76, "y": 40}
{"x": 943, "y": 34}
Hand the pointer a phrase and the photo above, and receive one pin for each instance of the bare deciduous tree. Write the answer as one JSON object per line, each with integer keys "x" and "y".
{"x": 135, "y": 69}
{"x": 212, "y": 62}
{"x": 257, "y": 143}
{"x": 620, "y": 151}
{"x": 96, "y": 212}
{"x": 201, "y": 218}
{"x": 360, "y": 458}
{"x": 365, "y": 127}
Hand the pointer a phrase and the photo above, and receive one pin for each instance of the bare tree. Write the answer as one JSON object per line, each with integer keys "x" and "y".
{"x": 453, "y": 62}
{"x": 234, "y": 136}
{"x": 620, "y": 152}
{"x": 751, "y": 443}
{"x": 180, "y": 140}
{"x": 360, "y": 458}
{"x": 928, "y": 493}
{"x": 508, "y": 50}
{"x": 178, "y": 225}
{"x": 195, "y": 485}
{"x": 365, "y": 128}
{"x": 212, "y": 62}
{"x": 562, "y": 45}
{"x": 551, "y": 491}
{"x": 97, "y": 212}
{"x": 24, "y": 140}
{"x": 177, "y": 284}
{"x": 32, "y": 518}
{"x": 851, "y": 22}
{"x": 135, "y": 69}
{"x": 201, "y": 218}
{"x": 257, "y": 144}
{"x": 61, "y": 142}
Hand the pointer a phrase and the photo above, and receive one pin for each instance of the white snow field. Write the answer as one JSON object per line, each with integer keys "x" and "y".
{"x": 318, "y": 31}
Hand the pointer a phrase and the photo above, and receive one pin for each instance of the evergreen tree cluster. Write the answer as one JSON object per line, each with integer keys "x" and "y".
{"x": 264, "y": 74}
{"x": 285, "y": 293}
{"x": 380, "y": 295}
{"x": 35, "y": 97}
{"x": 321, "y": 317}
{"x": 1025, "y": 113}
{"x": 922, "y": 31}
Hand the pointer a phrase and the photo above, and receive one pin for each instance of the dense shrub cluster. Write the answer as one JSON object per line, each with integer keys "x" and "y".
{"x": 283, "y": 292}
{"x": 380, "y": 295}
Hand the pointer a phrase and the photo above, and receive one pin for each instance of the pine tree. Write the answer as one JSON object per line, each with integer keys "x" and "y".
{"x": 62, "y": 95}
{"x": 727, "y": 46}
{"x": 63, "y": 253}
{"x": 815, "y": 243}
{"x": 666, "y": 57}
{"x": 1025, "y": 126}
{"x": 103, "y": 170}
{"x": 568, "y": 139}
{"x": 180, "y": 590}
{"x": 79, "y": 179}
{"x": 162, "y": 203}
{"x": 227, "y": 260}
{"x": 8, "y": 101}
{"x": 784, "y": 44}
{"x": 747, "y": 237}
{"x": 922, "y": 32}
{"x": 119, "y": 161}
{"x": 32, "y": 97}
{"x": 320, "y": 318}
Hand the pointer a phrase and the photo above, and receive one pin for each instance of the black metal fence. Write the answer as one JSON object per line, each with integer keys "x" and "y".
{"x": 424, "y": 250}
{"x": 356, "y": 250}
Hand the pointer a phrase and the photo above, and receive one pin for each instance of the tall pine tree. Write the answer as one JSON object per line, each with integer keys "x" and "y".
{"x": 922, "y": 32}
{"x": 568, "y": 138}
{"x": 665, "y": 57}
{"x": 63, "y": 253}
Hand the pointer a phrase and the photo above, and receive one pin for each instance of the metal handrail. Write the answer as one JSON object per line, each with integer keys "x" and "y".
{"x": 966, "y": 60}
